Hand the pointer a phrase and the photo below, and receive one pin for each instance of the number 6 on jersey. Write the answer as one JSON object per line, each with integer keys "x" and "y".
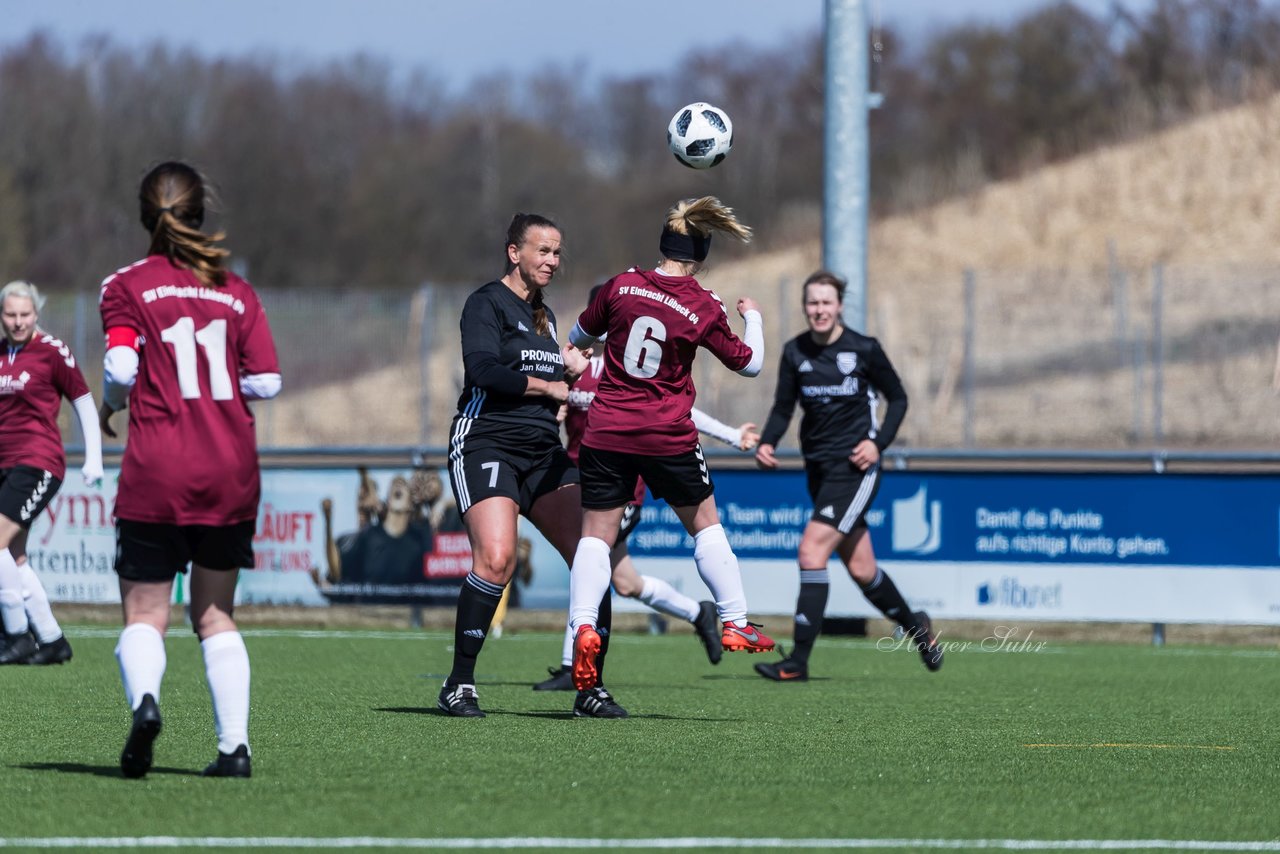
{"x": 643, "y": 355}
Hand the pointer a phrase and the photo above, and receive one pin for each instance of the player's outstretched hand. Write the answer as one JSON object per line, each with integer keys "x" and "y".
{"x": 765, "y": 458}
{"x": 750, "y": 437}
{"x": 93, "y": 474}
{"x": 747, "y": 304}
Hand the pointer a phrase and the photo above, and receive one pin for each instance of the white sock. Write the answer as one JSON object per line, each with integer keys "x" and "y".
{"x": 719, "y": 569}
{"x": 140, "y": 652}
{"x": 566, "y": 654}
{"x": 12, "y": 610}
{"x": 662, "y": 597}
{"x": 36, "y": 604}
{"x": 588, "y": 581}
{"x": 226, "y": 665}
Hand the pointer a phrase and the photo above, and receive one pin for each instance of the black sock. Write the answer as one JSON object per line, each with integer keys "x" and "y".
{"x": 477, "y": 603}
{"x": 604, "y": 624}
{"x": 883, "y": 593}
{"x": 811, "y": 604}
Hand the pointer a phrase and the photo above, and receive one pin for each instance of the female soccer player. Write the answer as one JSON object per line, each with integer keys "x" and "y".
{"x": 505, "y": 455}
{"x": 639, "y": 424}
{"x": 834, "y": 372}
{"x": 627, "y": 581}
{"x": 187, "y": 346}
{"x": 36, "y": 373}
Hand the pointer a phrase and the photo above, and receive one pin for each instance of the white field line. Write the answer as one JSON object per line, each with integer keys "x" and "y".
{"x": 673, "y": 843}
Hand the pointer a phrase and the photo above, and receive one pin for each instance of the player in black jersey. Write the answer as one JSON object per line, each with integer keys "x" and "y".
{"x": 834, "y": 373}
{"x": 505, "y": 454}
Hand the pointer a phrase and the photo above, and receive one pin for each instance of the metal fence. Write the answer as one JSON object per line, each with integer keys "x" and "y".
{"x": 1183, "y": 357}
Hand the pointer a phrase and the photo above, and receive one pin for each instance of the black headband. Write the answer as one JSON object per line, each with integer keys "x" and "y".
{"x": 684, "y": 247}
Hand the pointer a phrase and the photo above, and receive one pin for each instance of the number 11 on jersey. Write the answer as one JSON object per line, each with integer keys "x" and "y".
{"x": 212, "y": 339}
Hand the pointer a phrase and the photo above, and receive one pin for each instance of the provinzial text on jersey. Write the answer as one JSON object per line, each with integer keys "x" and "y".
{"x": 848, "y": 388}
{"x": 193, "y": 292}
{"x": 549, "y": 361}
{"x": 665, "y": 299}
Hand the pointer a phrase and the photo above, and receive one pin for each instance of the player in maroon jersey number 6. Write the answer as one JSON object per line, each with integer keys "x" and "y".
{"x": 36, "y": 373}
{"x": 187, "y": 345}
{"x": 639, "y": 425}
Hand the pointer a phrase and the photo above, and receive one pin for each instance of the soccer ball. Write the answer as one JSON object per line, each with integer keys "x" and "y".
{"x": 700, "y": 135}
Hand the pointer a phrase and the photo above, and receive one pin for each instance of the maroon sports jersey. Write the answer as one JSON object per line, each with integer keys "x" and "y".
{"x": 575, "y": 417}
{"x": 655, "y": 325}
{"x": 191, "y": 457}
{"x": 33, "y": 381}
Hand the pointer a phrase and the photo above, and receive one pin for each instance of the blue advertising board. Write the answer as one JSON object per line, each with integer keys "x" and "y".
{"x": 1061, "y": 518}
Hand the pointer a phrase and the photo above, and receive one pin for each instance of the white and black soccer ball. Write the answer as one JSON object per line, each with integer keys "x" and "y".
{"x": 700, "y": 135}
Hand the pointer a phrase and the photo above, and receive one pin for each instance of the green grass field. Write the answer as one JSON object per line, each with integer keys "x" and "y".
{"x": 1000, "y": 750}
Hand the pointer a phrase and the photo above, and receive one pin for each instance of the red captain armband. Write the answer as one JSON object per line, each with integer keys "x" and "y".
{"x": 123, "y": 336}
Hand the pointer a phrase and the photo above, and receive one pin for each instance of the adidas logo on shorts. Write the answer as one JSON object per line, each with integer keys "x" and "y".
{"x": 828, "y": 512}
{"x": 475, "y": 633}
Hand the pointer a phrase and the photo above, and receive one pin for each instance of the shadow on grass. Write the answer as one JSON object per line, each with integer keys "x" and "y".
{"x": 753, "y": 677}
{"x": 98, "y": 770}
{"x": 566, "y": 715}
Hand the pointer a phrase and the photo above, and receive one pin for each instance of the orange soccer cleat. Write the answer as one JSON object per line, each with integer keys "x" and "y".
{"x": 586, "y": 646}
{"x": 746, "y": 639}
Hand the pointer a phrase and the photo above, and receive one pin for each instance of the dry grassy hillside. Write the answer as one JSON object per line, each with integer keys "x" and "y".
{"x": 1065, "y": 351}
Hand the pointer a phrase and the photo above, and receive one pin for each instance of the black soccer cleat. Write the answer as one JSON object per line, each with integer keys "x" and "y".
{"x": 786, "y": 670}
{"x": 597, "y": 703}
{"x": 927, "y": 642}
{"x": 461, "y": 701}
{"x": 707, "y": 626}
{"x": 135, "y": 761}
{"x": 19, "y": 649}
{"x": 561, "y": 679}
{"x": 233, "y": 764}
{"x": 53, "y": 652}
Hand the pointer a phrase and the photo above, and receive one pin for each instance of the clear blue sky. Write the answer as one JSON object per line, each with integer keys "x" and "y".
{"x": 462, "y": 39}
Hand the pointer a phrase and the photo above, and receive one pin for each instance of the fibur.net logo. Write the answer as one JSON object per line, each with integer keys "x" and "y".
{"x": 1008, "y": 592}
{"x": 917, "y": 524}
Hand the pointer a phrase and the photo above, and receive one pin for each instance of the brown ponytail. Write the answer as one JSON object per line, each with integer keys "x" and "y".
{"x": 172, "y": 197}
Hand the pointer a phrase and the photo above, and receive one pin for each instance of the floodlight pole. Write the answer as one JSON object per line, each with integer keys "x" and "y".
{"x": 845, "y": 183}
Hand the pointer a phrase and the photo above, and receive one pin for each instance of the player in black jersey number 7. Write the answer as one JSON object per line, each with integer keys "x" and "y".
{"x": 834, "y": 373}
{"x": 505, "y": 454}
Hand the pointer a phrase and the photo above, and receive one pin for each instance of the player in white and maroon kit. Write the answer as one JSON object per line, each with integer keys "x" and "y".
{"x": 654, "y": 592}
{"x": 187, "y": 345}
{"x": 639, "y": 424}
{"x": 36, "y": 372}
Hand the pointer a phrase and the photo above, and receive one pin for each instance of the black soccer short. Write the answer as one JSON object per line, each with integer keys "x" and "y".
{"x": 609, "y": 478}
{"x": 484, "y": 470}
{"x": 24, "y": 493}
{"x": 841, "y": 493}
{"x": 155, "y": 551}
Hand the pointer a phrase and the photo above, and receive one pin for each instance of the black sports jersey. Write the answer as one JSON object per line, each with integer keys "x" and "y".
{"x": 835, "y": 384}
{"x": 500, "y": 349}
